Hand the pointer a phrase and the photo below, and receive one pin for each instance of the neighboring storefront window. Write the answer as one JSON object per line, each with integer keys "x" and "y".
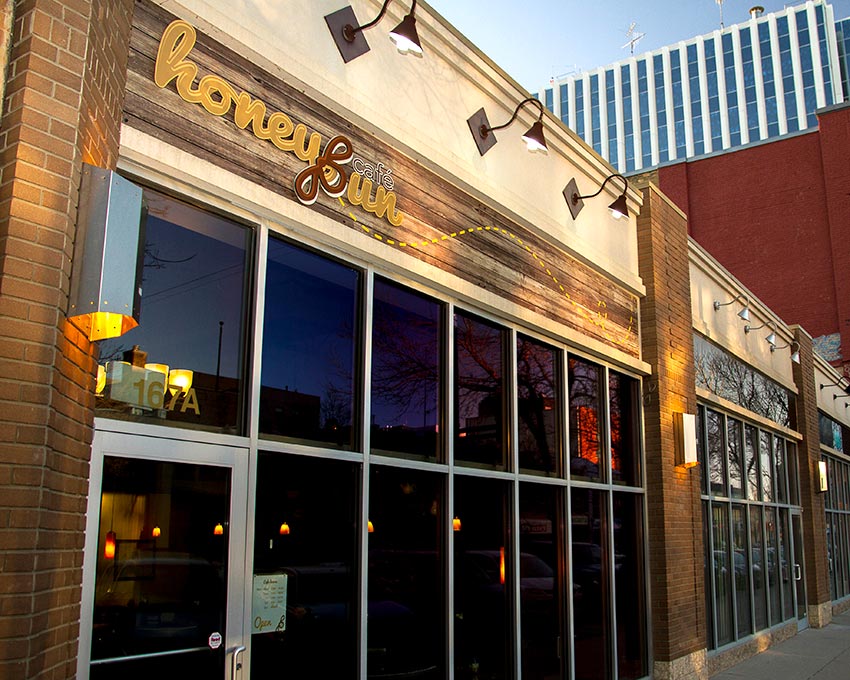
{"x": 831, "y": 432}
{"x": 837, "y": 502}
{"x": 748, "y": 498}
{"x": 184, "y": 363}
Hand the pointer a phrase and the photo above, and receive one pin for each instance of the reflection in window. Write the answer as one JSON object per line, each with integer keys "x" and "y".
{"x": 786, "y": 565}
{"x": 736, "y": 462}
{"x": 183, "y": 363}
{"x": 540, "y": 602}
{"x": 406, "y": 370}
{"x": 483, "y": 626}
{"x": 161, "y": 582}
{"x": 538, "y": 390}
{"x": 480, "y": 400}
{"x": 774, "y": 576}
{"x": 759, "y": 567}
{"x": 630, "y": 586}
{"x": 766, "y": 467}
{"x": 405, "y": 612}
{"x": 590, "y": 566}
{"x": 722, "y": 574}
{"x": 625, "y": 437}
{"x": 741, "y": 569}
{"x": 309, "y": 347}
{"x": 585, "y": 419}
{"x": 751, "y": 456}
{"x": 716, "y": 453}
{"x": 781, "y": 473}
{"x": 306, "y": 530}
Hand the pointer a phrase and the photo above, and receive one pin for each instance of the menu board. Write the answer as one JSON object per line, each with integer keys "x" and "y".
{"x": 269, "y": 603}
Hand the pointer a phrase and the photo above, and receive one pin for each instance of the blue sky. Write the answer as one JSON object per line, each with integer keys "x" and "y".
{"x": 537, "y": 39}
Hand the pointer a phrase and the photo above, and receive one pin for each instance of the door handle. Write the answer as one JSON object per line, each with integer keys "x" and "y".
{"x": 798, "y": 573}
{"x": 237, "y": 665}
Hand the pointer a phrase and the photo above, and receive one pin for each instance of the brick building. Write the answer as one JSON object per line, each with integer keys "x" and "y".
{"x": 389, "y": 406}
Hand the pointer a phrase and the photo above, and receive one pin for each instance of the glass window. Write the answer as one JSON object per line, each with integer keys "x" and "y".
{"x": 752, "y": 462}
{"x": 722, "y": 573}
{"x": 643, "y": 109}
{"x": 736, "y": 458}
{"x": 774, "y": 571}
{"x": 306, "y": 530}
{"x": 480, "y": 401}
{"x": 766, "y": 467}
{"x": 696, "y": 100}
{"x": 786, "y": 61}
{"x": 807, "y": 68}
{"x": 786, "y": 565}
{"x": 759, "y": 567}
{"x": 731, "y": 90}
{"x": 406, "y": 372}
{"x": 741, "y": 569}
{"x": 539, "y": 406}
{"x": 716, "y": 453}
{"x": 749, "y": 84}
{"x": 565, "y": 103}
{"x": 540, "y": 532}
{"x": 310, "y": 347}
{"x": 630, "y": 586}
{"x": 678, "y": 103}
{"x": 590, "y": 567}
{"x": 768, "y": 83}
{"x": 406, "y": 586}
{"x": 713, "y": 95}
{"x": 586, "y": 419}
{"x": 595, "y": 119}
{"x": 701, "y": 449}
{"x": 580, "y": 109}
{"x": 184, "y": 363}
{"x": 660, "y": 108}
{"x": 161, "y": 585}
{"x": 625, "y": 435}
{"x": 483, "y": 627}
{"x": 781, "y": 484}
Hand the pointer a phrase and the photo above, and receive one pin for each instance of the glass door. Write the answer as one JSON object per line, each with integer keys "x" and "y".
{"x": 164, "y": 564}
{"x": 799, "y": 570}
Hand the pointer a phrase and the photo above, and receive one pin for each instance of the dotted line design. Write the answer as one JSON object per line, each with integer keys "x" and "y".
{"x": 597, "y": 318}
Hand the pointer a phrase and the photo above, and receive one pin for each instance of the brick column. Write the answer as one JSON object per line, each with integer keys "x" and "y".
{"x": 63, "y": 96}
{"x": 819, "y": 603}
{"x": 673, "y": 494}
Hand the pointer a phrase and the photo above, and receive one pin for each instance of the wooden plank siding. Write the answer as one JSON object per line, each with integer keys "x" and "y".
{"x": 442, "y": 225}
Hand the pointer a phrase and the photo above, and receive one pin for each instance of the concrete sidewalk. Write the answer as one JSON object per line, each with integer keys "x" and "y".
{"x": 814, "y": 654}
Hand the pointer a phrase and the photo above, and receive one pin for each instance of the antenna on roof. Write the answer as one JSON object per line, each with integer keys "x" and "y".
{"x": 633, "y": 38}
{"x": 720, "y": 5}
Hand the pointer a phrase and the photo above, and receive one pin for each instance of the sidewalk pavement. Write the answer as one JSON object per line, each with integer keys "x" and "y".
{"x": 813, "y": 654}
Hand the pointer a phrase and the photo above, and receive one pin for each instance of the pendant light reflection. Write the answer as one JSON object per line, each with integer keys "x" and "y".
{"x": 182, "y": 378}
{"x": 456, "y": 524}
{"x": 482, "y": 132}
{"x": 370, "y": 527}
{"x": 156, "y": 532}
{"x": 218, "y": 530}
{"x": 109, "y": 545}
{"x": 284, "y": 529}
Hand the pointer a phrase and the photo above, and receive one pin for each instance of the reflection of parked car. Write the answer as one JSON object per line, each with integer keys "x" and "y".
{"x": 156, "y": 604}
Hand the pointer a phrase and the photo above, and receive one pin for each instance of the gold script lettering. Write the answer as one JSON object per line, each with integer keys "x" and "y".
{"x": 360, "y": 193}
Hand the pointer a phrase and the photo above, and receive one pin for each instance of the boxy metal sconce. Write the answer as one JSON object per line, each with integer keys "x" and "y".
{"x": 823, "y": 480}
{"x": 685, "y": 439}
{"x": 106, "y": 277}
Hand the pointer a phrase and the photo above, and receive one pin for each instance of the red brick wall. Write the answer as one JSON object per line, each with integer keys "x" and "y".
{"x": 62, "y": 102}
{"x": 762, "y": 212}
{"x": 673, "y": 495}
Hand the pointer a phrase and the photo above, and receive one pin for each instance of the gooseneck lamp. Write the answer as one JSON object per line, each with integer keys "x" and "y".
{"x": 482, "y": 131}
{"x": 744, "y": 314}
{"x": 575, "y": 202}
{"x": 348, "y": 34}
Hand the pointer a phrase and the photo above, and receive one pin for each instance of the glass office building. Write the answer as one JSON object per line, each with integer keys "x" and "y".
{"x": 747, "y": 83}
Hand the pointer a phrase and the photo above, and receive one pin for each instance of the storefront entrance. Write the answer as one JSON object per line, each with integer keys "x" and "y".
{"x": 165, "y": 559}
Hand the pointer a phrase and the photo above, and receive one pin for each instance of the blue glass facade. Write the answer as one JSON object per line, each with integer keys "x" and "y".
{"x": 749, "y": 85}
{"x": 678, "y": 103}
{"x": 713, "y": 96}
{"x": 768, "y": 80}
{"x": 734, "y": 114}
{"x": 842, "y": 30}
{"x": 628, "y": 122}
{"x": 548, "y": 98}
{"x": 595, "y": 120}
{"x": 660, "y": 108}
{"x": 824, "y": 56}
{"x": 809, "y": 95}
{"x": 611, "y": 114}
{"x": 643, "y": 109}
{"x": 579, "y": 124}
{"x": 565, "y": 103}
{"x": 786, "y": 60}
{"x": 696, "y": 100}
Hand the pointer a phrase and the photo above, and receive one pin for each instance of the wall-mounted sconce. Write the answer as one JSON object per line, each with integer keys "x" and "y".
{"x": 795, "y": 353}
{"x": 771, "y": 337}
{"x": 456, "y": 524}
{"x": 685, "y": 440}
{"x": 218, "y": 529}
{"x": 351, "y": 43}
{"x": 823, "y": 479}
{"x": 181, "y": 378}
{"x": 284, "y": 529}
{"x": 837, "y": 383}
{"x": 744, "y": 314}
{"x": 104, "y": 298}
{"x": 485, "y": 140}
{"x": 575, "y": 202}
{"x": 840, "y": 396}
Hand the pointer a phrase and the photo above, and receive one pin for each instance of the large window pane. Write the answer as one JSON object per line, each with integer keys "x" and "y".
{"x": 736, "y": 458}
{"x": 630, "y": 586}
{"x": 586, "y": 419}
{"x": 774, "y": 571}
{"x": 406, "y": 372}
{"x": 716, "y": 453}
{"x": 309, "y": 347}
{"x": 306, "y": 532}
{"x": 183, "y": 364}
{"x": 625, "y": 437}
{"x": 759, "y": 567}
{"x": 766, "y": 467}
{"x": 480, "y": 400}
{"x": 722, "y": 573}
{"x": 483, "y": 627}
{"x": 541, "y": 597}
{"x": 592, "y": 591}
{"x": 406, "y": 615}
{"x": 751, "y": 443}
{"x": 539, "y": 406}
{"x": 786, "y": 565}
{"x": 781, "y": 471}
{"x": 741, "y": 569}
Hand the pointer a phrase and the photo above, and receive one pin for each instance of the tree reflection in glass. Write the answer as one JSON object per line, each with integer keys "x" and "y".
{"x": 480, "y": 404}
{"x": 585, "y": 419}
{"x": 406, "y": 370}
{"x": 625, "y": 447}
{"x": 538, "y": 390}
{"x": 716, "y": 453}
{"x": 736, "y": 464}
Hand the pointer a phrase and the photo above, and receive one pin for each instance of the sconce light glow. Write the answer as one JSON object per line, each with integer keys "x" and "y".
{"x": 823, "y": 479}
{"x": 156, "y": 532}
{"x": 482, "y": 131}
{"x": 100, "y": 385}
{"x": 109, "y": 545}
{"x": 284, "y": 529}
{"x": 181, "y": 377}
{"x": 348, "y": 35}
{"x": 369, "y": 526}
{"x": 405, "y": 36}
{"x": 218, "y": 530}
{"x": 534, "y": 139}
{"x": 456, "y": 524}
{"x": 619, "y": 208}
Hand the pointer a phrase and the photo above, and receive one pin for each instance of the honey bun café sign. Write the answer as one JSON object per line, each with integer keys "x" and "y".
{"x": 325, "y": 172}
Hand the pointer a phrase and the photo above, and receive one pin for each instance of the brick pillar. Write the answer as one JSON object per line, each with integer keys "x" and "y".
{"x": 63, "y": 96}
{"x": 673, "y": 494}
{"x": 819, "y": 603}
